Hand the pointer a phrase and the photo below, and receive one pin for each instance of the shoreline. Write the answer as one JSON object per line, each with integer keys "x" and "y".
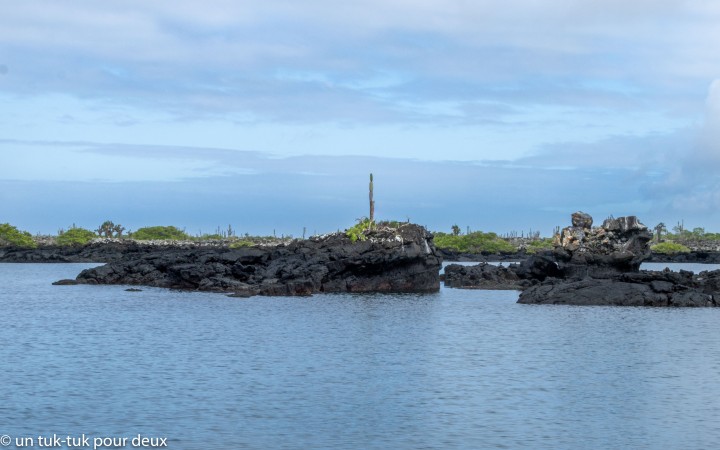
{"x": 702, "y": 257}
{"x": 385, "y": 259}
{"x": 114, "y": 249}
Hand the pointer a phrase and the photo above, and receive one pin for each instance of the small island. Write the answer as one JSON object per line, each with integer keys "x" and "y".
{"x": 371, "y": 257}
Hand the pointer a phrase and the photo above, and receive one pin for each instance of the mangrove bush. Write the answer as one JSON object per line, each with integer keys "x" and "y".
{"x": 75, "y": 236}
{"x": 669, "y": 248}
{"x": 475, "y": 242}
{"x": 10, "y": 235}
{"x": 160, "y": 233}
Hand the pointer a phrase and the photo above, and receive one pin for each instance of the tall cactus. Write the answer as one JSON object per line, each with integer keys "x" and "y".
{"x": 372, "y": 202}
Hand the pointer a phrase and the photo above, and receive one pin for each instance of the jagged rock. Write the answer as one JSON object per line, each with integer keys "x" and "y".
{"x": 512, "y": 277}
{"x": 601, "y": 266}
{"x": 703, "y": 257}
{"x": 99, "y": 251}
{"x": 592, "y": 291}
{"x": 709, "y": 281}
{"x": 539, "y": 267}
{"x": 594, "y": 266}
{"x": 452, "y": 255}
{"x": 401, "y": 259}
{"x": 582, "y": 220}
{"x": 484, "y": 276}
{"x": 617, "y": 246}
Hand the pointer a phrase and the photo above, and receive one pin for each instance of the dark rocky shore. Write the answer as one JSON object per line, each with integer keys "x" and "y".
{"x": 401, "y": 259}
{"x": 102, "y": 251}
{"x": 451, "y": 255}
{"x": 594, "y": 266}
{"x": 695, "y": 256}
{"x": 701, "y": 257}
{"x": 588, "y": 266}
{"x": 108, "y": 250}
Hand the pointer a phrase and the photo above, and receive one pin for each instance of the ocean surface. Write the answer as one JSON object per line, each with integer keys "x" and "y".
{"x": 460, "y": 369}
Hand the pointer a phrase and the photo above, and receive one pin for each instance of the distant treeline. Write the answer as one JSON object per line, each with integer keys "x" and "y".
{"x": 74, "y": 235}
{"x": 475, "y": 242}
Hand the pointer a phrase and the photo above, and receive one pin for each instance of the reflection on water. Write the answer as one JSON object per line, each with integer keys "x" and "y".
{"x": 469, "y": 263}
{"x": 456, "y": 369}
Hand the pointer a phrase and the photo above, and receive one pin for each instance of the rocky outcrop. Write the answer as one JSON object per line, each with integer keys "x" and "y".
{"x": 106, "y": 250}
{"x": 484, "y": 276}
{"x": 702, "y": 257}
{"x": 594, "y": 266}
{"x": 600, "y": 266}
{"x": 400, "y": 259}
{"x": 617, "y": 246}
{"x": 100, "y": 251}
{"x": 637, "y": 289}
{"x": 529, "y": 272}
{"x": 699, "y": 256}
{"x": 452, "y": 255}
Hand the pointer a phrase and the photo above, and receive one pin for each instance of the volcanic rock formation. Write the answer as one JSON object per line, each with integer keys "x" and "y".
{"x": 400, "y": 259}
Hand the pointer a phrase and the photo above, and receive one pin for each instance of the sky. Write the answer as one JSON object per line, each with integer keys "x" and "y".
{"x": 502, "y": 116}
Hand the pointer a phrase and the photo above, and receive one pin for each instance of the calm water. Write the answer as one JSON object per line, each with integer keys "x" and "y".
{"x": 693, "y": 267}
{"x": 457, "y": 369}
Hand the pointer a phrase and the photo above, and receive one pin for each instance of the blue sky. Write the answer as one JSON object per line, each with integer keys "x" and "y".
{"x": 501, "y": 116}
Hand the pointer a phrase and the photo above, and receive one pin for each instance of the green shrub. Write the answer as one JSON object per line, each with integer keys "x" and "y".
{"x": 160, "y": 233}
{"x": 669, "y": 248}
{"x": 539, "y": 245}
{"x": 75, "y": 236}
{"x": 358, "y": 232}
{"x": 476, "y": 242}
{"x": 10, "y": 235}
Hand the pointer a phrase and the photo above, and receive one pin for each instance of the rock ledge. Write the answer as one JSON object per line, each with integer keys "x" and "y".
{"x": 402, "y": 259}
{"x": 594, "y": 266}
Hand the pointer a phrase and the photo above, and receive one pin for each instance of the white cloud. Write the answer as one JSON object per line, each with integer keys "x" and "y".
{"x": 595, "y": 85}
{"x": 481, "y": 39}
{"x": 695, "y": 175}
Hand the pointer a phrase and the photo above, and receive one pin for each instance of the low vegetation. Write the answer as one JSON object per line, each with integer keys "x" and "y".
{"x": 358, "y": 232}
{"x": 10, "y": 235}
{"x": 539, "y": 245}
{"x": 75, "y": 236}
{"x": 160, "y": 233}
{"x": 669, "y": 248}
{"x": 678, "y": 241}
{"x": 242, "y": 243}
{"x": 475, "y": 242}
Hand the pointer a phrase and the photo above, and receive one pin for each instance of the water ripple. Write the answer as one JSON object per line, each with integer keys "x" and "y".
{"x": 457, "y": 369}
